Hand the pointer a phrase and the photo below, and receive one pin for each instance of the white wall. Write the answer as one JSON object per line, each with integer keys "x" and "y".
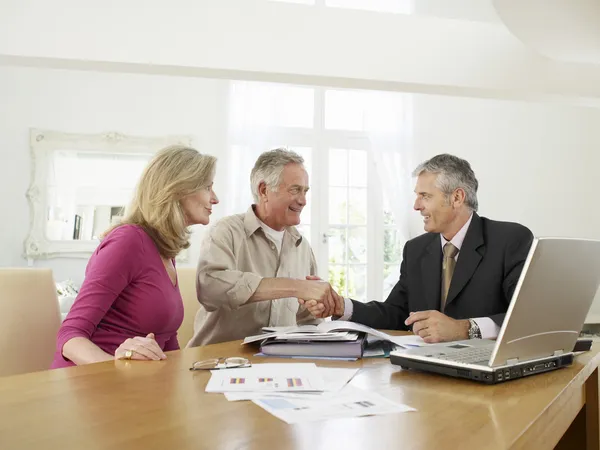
{"x": 273, "y": 41}
{"x": 472, "y": 10}
{"x": 536, "y": 163}
{"x": 89, "y": 102}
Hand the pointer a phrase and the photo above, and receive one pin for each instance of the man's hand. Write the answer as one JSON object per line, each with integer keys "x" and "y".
{"x": 433, "y": 326}
{"x": 319, "y": 293}
{"x": 320, "y": 309}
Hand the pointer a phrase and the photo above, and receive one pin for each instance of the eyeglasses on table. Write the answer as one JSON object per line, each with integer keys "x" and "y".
{"x": 221, "y": 363}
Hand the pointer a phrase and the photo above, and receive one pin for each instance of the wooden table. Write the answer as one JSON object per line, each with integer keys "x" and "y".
{"x": 162, "y": 405}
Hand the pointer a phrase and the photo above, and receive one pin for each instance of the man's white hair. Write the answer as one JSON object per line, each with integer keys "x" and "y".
{"x": 452, "y": 173}
{"x": 269, "y": 167}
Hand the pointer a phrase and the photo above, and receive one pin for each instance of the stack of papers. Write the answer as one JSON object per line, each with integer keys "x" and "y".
{"x": 300, "y": 392}
{"x": 316, "y": 336}
{"x": 335, "y": 339}
{"x": 334, "y": 330}
{"x": 298, "y": 334}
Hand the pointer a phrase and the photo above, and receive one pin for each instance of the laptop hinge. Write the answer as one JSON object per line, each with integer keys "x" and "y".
{"x": 558, "y": 352}
{"x": 512, "y": 361}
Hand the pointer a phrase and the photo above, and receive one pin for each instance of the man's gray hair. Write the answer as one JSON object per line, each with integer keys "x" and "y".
{"x": 453, "y": 173}
{"x": 269, "y": 167}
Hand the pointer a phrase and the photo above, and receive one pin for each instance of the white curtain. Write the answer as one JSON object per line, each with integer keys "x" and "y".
{"x": 259, "y": 110}
{"x": 390, "y": 138}
{"x": 252, "y": 116}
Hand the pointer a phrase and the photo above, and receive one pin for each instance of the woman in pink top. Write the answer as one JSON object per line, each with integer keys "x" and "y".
{"x": 129, "y": 306}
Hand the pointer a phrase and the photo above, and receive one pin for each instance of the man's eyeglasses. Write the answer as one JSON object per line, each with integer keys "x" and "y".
{"x": 221, "y": 363}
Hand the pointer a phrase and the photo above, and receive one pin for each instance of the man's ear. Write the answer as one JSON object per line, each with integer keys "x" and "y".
{"x": 458, "y": 197}
{"x": 262, "y": 190}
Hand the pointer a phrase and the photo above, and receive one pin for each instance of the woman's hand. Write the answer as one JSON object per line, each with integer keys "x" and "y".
{"x": 141, "y": 348}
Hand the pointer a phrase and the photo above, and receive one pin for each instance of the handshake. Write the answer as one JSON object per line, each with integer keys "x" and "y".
{"x": 319, "y": 298}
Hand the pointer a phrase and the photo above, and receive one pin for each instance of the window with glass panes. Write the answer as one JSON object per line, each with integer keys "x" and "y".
{"x": 347, "y": 223}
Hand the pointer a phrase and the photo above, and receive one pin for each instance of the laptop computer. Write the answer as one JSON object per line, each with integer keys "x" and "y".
{"x": 552, "y": 298}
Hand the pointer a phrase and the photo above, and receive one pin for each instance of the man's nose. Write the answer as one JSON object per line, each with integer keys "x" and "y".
{"x": 302, "y": 199}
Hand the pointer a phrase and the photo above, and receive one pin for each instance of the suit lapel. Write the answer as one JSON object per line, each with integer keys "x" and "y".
{"x": 431, "y": 268}
{"x": 471, "y": 253}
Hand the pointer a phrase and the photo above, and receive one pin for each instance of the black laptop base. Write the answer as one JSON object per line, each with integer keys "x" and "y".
{"x": 493, "y": 376}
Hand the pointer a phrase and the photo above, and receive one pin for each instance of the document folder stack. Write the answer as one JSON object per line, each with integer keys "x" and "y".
{"x": 347, "y": 345}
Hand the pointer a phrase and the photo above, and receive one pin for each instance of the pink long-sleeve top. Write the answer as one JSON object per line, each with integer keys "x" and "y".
{"x": 127, "y": 292}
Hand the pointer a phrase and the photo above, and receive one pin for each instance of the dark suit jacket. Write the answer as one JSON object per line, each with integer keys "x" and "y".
{"x": 489, "y": 265}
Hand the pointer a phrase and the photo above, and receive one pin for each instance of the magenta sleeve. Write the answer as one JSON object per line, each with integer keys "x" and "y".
{"x": 172, "y": 344}
{"x": 114, "y": 264}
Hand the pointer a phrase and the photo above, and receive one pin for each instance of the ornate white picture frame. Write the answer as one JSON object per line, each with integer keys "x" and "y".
{"x": 42, "y": 144}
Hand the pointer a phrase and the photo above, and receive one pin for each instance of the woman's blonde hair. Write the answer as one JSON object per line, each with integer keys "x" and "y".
{"x": 173, "y": 173}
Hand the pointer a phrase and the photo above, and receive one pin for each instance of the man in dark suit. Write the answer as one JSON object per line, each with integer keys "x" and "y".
{"x": 456, "y": 280}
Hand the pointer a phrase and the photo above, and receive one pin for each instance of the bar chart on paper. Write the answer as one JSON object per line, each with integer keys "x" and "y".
{"x": 267, "y": 378}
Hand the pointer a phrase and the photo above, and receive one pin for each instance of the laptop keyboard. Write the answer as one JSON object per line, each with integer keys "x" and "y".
{"x": 469, "y": 355}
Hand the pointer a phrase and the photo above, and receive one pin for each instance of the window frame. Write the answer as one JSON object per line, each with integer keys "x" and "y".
{"x": 320, "y": 140}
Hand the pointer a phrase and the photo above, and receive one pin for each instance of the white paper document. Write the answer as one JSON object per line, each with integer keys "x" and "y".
{"x": 409, "y": 341}
{"x": 302, "y": 334}
{"x": 350, "y": 402}
{"x": 334, "y": 378}
{"x": 334, "y": 326}
{"x": 267, "y": 378}
{"x": 332, "y": 336}
{"x": 243, "y": 396}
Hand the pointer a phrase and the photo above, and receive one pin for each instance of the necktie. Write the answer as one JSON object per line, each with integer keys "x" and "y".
{"x": 448, "y": 265}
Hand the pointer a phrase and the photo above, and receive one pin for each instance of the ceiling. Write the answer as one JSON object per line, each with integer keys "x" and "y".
{"x": 562, "y": 30}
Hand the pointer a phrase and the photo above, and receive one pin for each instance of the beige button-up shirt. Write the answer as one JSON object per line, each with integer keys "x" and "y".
{"x": 235, "y": 256}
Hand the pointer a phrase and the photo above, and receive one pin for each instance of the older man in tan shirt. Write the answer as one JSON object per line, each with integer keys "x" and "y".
{"x": 253, "y": 267}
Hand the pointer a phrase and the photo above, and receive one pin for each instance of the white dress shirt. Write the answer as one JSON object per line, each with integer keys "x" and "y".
{"x": 489, "y": 329}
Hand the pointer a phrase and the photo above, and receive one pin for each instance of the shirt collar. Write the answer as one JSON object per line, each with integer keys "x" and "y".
{"x": 252, "y": 223}
{"x": 267, "y": 229}
{"x": 459, "y": 237}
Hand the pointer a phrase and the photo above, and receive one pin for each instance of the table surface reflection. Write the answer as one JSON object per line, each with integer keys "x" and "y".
{"x": 162, "y": 405}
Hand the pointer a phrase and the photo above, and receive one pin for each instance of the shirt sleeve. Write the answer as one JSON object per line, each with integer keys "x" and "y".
{"x": 488, "y": 328}
{"x": 348, "y": 309}
{"x": 114, "y": 264}
{"x": 304, "y": 317}
{"x": 220, "y": 284}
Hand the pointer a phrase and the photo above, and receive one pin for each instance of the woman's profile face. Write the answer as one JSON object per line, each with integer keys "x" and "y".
{"x": 197, "y": 206}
